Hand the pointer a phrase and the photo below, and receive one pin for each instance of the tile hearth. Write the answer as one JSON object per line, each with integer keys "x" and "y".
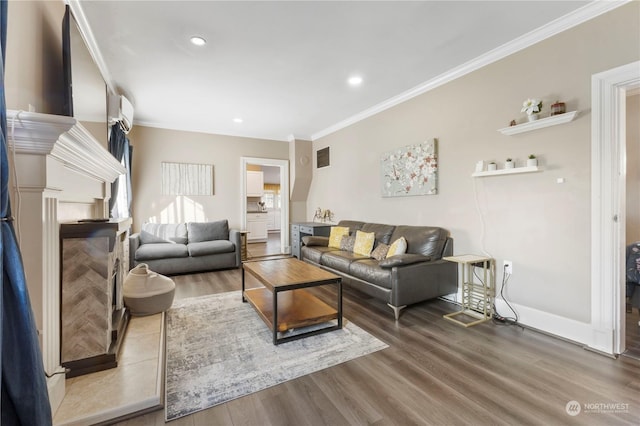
{"x": 135, "y": 385}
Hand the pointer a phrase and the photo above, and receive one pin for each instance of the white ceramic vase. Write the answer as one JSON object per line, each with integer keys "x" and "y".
{"x": 532, "y": 162}
{"x": 533, "y": 117}
{"x": 509, "y": 164}
{"x": 492, "y": 167}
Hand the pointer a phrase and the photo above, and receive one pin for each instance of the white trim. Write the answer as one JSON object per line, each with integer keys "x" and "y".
{"x": 556, "y": 325}
{"x": 608, "y": 177}
{"x": 285, "y": 246}
{"x": 65, "y": 139}
{"x": 577, "y": 17}
{"x": 90, "y": 41}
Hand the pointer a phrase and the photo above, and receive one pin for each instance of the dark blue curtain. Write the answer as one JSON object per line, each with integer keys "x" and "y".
{"x": 121, "y": 149}
{"x": 24, "y": 398}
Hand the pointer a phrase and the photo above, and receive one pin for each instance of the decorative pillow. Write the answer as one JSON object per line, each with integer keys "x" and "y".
{"x": 208, "y": 231}
{"x": 364, "y": 243}
{"x": 347, "y": 243}
{"x": 149, "y": 238}
{"x": 337, "y": 232}
{"x": 380, "y": 252}
{"x": 399, "y": 246}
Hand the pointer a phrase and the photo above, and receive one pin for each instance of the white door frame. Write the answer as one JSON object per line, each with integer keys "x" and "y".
{"x": 608, "y": 181}
{"x": 285, "y": 247}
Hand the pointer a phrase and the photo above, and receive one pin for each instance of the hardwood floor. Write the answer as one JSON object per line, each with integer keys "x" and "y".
{"x": 434, "y": 372}
{"x": 269, "y": 248}
{"x": 632, "y": 341}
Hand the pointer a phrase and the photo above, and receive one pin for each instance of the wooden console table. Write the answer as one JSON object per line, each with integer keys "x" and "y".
{"x": 303, "y": 229}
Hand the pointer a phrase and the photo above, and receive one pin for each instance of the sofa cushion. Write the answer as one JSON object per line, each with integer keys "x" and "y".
{"x": 208, "y": 231}
{"x": 149, "y": 238}
{"x": 205, "y": 248}
{"x": 336, "y": 234}
{"x": 161, "y": 251}
{"x": 314, "y": 253}
{"x": 369, "y": 270}
{"x": 340, "y": 260}
{"x": 353, "y": 225}
{"x": 176, "y": 232}
{"x": 364, "y": 243}
{"x": 383, "y": 232}
{"x": 426, "y": 240}
{"x": 399, "y": 246}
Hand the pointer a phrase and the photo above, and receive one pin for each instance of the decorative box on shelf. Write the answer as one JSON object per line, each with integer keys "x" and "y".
{"x": 539, "y": 124}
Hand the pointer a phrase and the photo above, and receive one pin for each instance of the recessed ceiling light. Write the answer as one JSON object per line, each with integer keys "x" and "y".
{"x": 237, "y": 120}
{"x": 198, "y": 41}
{"x": 355, "y": 80}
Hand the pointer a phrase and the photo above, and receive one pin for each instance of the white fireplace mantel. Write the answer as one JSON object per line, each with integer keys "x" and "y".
{"x": 58, "y": 166}
{"x": 65, "y": 139}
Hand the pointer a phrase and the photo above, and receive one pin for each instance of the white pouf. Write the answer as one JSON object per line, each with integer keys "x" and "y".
{"x": 146, "y": 292}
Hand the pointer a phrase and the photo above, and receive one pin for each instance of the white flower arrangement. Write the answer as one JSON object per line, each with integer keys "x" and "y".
{"x": 531, "y": 106}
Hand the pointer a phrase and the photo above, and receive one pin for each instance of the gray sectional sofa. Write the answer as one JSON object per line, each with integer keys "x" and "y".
{"x": 180, "y": 248}
{"x": 419, "y": 274}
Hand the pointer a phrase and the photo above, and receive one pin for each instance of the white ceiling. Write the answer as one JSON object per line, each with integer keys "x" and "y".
{"x": 283, "y": 66}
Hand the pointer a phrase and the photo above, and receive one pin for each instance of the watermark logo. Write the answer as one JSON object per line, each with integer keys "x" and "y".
{"x": 573, "y": 408}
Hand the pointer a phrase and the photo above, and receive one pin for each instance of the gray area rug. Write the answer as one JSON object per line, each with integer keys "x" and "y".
{"x": 218, "y": 349}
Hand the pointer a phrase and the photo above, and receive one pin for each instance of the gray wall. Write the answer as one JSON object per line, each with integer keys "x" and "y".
{"x": 530, "y": 219}
{"x": 152, "y": 146}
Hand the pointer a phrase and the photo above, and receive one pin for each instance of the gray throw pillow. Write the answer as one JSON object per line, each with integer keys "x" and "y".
{"x": 380, "y": 252}
{"x": 208, "y": 231}
{"x": 347, "y": 243}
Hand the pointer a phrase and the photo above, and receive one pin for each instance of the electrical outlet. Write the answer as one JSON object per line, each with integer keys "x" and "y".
{"x": 508, "y": 267}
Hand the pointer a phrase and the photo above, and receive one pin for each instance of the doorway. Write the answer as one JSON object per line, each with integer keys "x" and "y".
{"x": 270, "y": 207}
{"x": 608, "y": 213}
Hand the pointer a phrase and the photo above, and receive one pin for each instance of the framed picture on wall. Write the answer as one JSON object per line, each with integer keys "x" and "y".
{"x": 410, "y": 170}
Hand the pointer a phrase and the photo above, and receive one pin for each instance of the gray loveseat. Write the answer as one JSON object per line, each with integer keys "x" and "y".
{"x": 178, "y": 248}
{"x": 419, "y": 274}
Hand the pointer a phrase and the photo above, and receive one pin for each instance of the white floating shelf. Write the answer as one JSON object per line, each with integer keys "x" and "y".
{"x": 539, "y": 124}
{"x": 515, "y": 170}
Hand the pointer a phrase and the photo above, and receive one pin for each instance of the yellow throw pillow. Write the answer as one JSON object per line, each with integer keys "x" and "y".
{"x": 399, "y": 246}
{"x": 364, "y": 243}
{"x": 337, "y": 232}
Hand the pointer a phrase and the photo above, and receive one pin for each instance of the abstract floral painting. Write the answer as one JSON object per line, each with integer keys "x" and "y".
{"x": 410, "y": 170}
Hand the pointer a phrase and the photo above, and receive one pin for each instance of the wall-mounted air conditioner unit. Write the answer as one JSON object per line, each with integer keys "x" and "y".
{"x": 120, "y": 111}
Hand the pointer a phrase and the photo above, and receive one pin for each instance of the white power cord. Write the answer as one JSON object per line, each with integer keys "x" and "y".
{"x": 482, "y": 225}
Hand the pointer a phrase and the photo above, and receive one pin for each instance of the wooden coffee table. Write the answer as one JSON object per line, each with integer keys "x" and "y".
{"x": 283, "y": 304}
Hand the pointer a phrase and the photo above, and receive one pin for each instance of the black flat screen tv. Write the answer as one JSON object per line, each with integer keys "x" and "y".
{"x": 85, "y": 91}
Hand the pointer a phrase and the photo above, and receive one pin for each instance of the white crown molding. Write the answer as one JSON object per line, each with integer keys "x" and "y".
{"x": 90, "y": 41}
{"x": 63, "y": 138}
{"x": 577, "y": 17}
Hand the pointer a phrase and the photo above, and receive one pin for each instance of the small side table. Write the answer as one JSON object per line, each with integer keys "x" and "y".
{"x": 478, "y": 291}
{"x": 243, "y": 245}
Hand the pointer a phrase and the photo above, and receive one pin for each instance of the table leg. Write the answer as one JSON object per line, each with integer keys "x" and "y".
{"x": 243, "y": 299}
{"x": 275, "y": 317}
{"x": 340, "y": 303}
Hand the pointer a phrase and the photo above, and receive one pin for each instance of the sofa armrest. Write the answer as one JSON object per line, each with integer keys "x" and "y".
{"x": 134, "y": 243}
{"x": 312, "y": 240}
{"x": 423, "y": 280}
{"x": 403, "y": 259}
{"x": 234, "y": 237}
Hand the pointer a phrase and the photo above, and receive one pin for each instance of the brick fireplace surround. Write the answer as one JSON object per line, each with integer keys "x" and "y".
{"x": 63, "y": 174}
